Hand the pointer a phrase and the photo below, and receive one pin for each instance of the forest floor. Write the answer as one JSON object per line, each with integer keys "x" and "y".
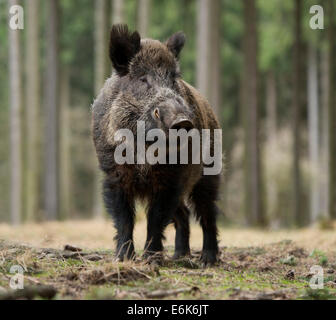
{"x": 74, "y": 260}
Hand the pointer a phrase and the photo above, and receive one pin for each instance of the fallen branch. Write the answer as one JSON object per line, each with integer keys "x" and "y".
{"x": 29, "y": 293}
{"x": 69, "y": 247}
{"x": 167, "y": 293}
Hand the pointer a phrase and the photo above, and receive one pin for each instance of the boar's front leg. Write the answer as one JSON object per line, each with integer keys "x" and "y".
{"x": 204, "y": 196}
{"x": 161, "y": 210}
{"x": 181, "y": 222}
{"x": 122, "y": 211}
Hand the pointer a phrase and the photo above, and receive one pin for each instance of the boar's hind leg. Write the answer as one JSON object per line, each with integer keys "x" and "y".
{"x": 204, "y": 196}
{"x": 181, "y": 222}
{"x": 122, "y": 212}
{"x": 162, "y": 207}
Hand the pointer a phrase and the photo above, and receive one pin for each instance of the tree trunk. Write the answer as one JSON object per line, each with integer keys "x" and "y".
{"x": 324, "y": 125}
{"x": 215, "y": 41}
{"x": 143, "y": 7}
{"x": 32, "y": 110}
{"x": 117, "y": 11}
{"x": 208, "y": 51}
{"x": 254, "y": 208}
{"x": 102, "y": 25}
{"x": 65, "y": 148}
{"x": 52, "y": 113}
{"x": 332, "y": 111}
{"x": 15, "y": 101}
{"x": 203, "y": 48}
{"x": 271, "y": 129}
{"x": 271, "y": 107}
{"x": 297, "y": 107}
{"x": 313, "y": 129}
{"x": 102, "y": 69}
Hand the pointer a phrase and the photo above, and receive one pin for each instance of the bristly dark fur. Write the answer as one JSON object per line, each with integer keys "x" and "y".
{"x": 123, "y": 47}
{"x": 148, "y": 80}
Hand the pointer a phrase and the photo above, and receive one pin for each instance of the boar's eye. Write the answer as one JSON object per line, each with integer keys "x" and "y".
{"x": 176, "y": 74}
{"x": 144, "y": 79}
{"x": 156, "y": 113}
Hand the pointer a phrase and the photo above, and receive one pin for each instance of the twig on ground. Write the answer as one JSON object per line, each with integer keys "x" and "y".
{"x": 30, "y": 292}
{"x": 167, "y": 293}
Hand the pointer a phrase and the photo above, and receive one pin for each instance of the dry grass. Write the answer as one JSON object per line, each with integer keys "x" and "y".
{"x": 93, "y": 234}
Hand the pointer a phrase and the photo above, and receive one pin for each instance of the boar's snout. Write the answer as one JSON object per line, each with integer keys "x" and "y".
{"x": 172, "y": 113}
{"x": 182, "y": 123}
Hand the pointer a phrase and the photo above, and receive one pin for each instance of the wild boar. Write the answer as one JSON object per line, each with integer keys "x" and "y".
{"x": 147, "y": 86}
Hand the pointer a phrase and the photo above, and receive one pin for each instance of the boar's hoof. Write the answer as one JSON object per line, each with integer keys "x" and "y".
{"x": 180, "y": 254}
{"x": 153, "y": 258}
{"x": 209, "y": 257}
{"x": 121, "y": 258}
{"x": 125, "y": 254}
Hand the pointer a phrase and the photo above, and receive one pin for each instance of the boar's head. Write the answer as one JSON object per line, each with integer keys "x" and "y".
{"x": 147, "y": 79}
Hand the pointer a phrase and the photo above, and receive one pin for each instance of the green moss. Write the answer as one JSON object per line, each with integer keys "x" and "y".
{"x": 318, "y": 294}
{"x": 290, "y": 260}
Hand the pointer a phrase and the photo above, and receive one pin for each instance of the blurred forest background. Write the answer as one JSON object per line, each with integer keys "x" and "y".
{"x": 268, "y": 75}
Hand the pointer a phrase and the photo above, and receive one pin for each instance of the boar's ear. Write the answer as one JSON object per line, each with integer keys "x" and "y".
{"x": 176, "y": 42}
{"x": 124, "y": 45}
